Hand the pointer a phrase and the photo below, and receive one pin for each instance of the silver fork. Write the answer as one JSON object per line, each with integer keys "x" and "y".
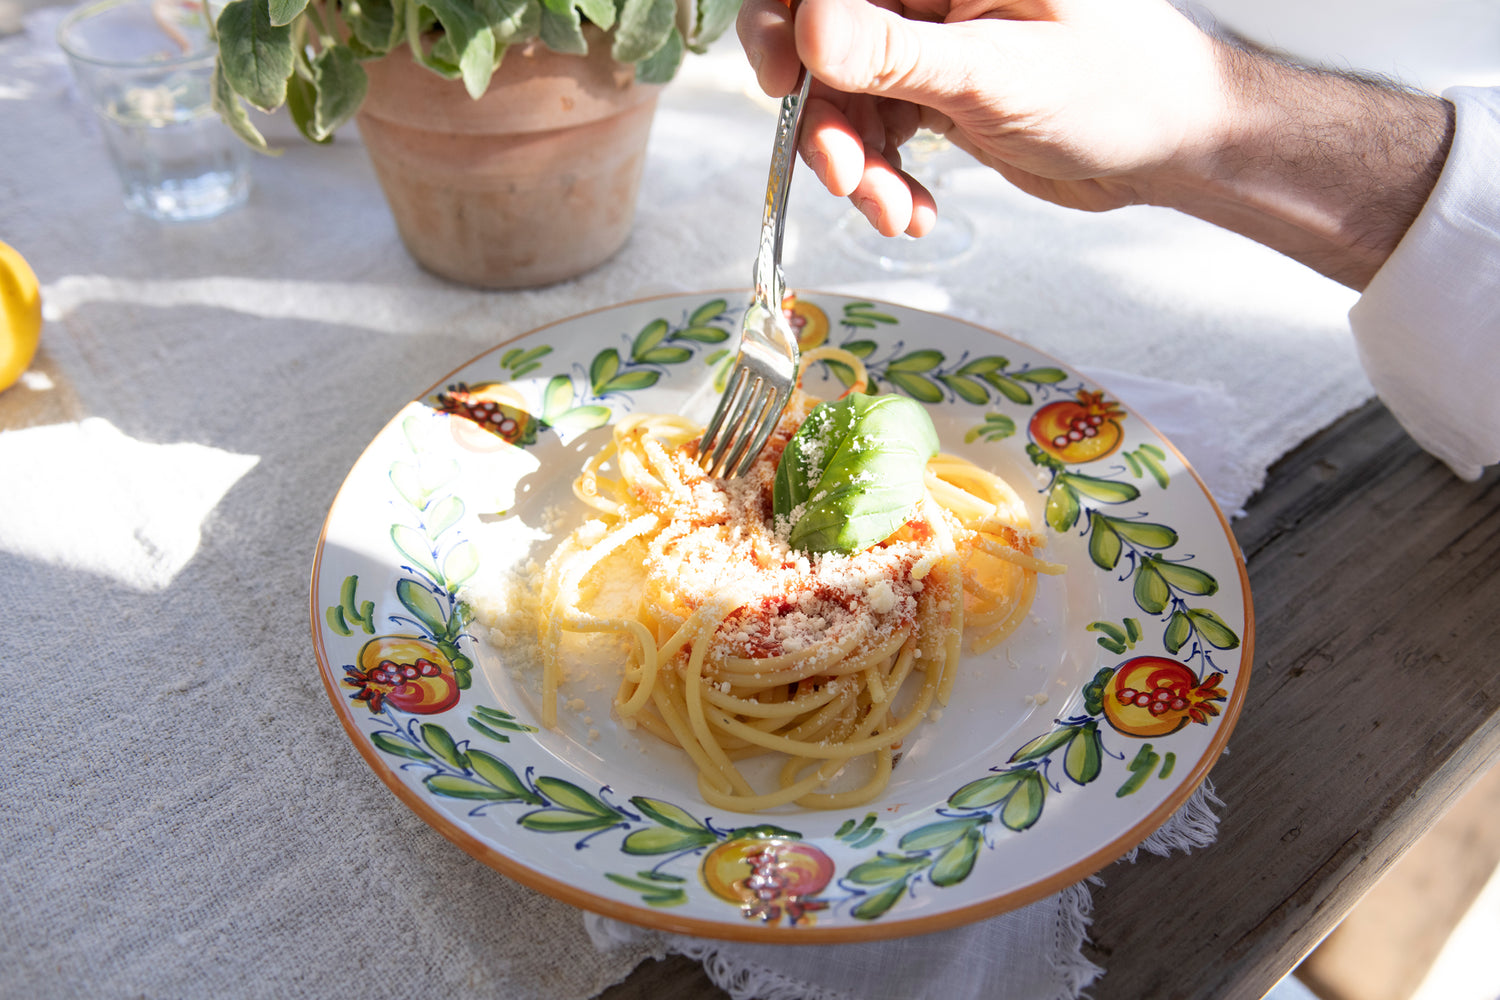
{"x": 764, "y": 373}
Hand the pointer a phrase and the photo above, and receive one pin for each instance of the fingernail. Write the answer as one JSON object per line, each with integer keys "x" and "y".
{"x": 869, "y": 210}
{"x": 756, "y": 57}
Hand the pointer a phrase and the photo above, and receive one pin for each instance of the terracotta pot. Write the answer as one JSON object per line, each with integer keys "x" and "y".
{"x": 533, "y": 183}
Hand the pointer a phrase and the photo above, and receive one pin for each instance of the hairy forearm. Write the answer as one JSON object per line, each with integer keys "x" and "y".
{"x": 1327, "y": 168}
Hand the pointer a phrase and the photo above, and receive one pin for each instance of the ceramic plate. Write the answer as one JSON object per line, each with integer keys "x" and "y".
{"x": 1059, "y": 751}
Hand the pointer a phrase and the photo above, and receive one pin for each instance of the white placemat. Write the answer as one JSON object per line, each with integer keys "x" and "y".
{"x": 185, "y": 817}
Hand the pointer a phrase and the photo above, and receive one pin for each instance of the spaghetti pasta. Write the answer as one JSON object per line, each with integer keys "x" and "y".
{"x": 744, "y": 646}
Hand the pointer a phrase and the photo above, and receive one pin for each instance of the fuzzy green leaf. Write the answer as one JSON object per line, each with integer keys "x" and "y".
{"x": 255, "y": 55}
{"x": 562, "y": 31}
{"x": 227, "y": 103}
{"x": 644, "y": 27}
{"x": 661, "y": 65}
{"x": 856, "y": 471}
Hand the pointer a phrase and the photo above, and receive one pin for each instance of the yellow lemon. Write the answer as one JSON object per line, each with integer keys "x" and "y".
{"x": 20, "y": 315}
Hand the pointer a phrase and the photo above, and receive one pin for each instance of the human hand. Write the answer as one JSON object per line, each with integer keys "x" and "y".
{"x": 1082, "y": 102}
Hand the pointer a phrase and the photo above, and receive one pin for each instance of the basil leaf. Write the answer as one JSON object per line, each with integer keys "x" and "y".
{"x": 853, "y": 473}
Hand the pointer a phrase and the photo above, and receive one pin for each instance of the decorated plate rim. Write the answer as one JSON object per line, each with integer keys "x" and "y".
{"x": 516, "y": 867}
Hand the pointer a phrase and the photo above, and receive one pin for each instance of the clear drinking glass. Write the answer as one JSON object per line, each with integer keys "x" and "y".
{"x": 949, "y": 241}
{"x": 146, "y": 67}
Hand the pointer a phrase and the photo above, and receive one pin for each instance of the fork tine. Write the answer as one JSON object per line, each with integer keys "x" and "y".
{"x": 770, "y": 416}
{"x": 751, "y": 432}
{"x": 721, "y": 430}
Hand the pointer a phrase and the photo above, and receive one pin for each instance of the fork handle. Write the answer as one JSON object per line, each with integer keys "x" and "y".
{"x": 769, "y": 284}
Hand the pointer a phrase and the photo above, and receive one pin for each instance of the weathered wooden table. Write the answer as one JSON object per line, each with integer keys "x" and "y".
{"x": 1373, "y": 704}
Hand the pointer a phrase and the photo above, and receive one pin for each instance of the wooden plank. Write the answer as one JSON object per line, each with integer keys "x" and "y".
{"x": 1373, "y": 704}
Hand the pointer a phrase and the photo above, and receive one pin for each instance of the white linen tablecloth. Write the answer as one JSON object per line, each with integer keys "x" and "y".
{"x": 184, "y": 817}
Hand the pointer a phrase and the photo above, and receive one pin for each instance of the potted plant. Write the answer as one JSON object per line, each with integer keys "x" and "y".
{"x": 508, "y": 135}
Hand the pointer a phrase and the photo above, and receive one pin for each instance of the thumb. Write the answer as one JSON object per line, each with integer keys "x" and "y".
{"x": 861, "y": 48}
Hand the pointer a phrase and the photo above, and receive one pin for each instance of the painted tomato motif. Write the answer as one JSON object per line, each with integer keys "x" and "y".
{"x": 809, "y": 322}
{"x": 494, "y": 416}
{"x": 1079, "y": 430}
{"x": 768, "y": 875}
{"x": 407, "y": 672}
{"x": 1153, "y": 696}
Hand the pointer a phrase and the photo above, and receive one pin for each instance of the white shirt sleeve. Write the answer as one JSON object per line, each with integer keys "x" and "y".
{"x": 1428, "y": 325}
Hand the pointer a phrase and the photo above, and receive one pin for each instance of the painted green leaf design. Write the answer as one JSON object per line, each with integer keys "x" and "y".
{"x": 557, "y": 397}
{"x": 985, "y": 792}
{"x": 984, "y": 366}
{"x": 916, "y": 386}
{"x": 1009, "y": 388}
{"x": 1085, "y": 756}
{"x": 631, "y": 382}
{"x": 936, "y": 835}
{"x": 884, "y": 867}
{"x": 399, "y": 747}
{"x": 1108, "y": 628}
{"x": 603, "y": 368}
{"x": 1103, "y": 490}
{"x": 570, "y": 796}
{"x": 499, "y": 774}
{"x": 581, "y": 418}
{"x": 1214, "y": 630}
{"x": 860, "y": 348}
{"x": 1151, "y": 591}
{"x": 1146, "y": 534}
{"x": 407, "y": 478}
{"x": 652, "y": 893}
{"x": 1042, "y": 376}
{"x": 665, "y": 840}
{"x": 334, "y": 615}
{"x": 855, "y": 470}
{"x": 453, "y": 786}
{"x": 702, "y": 335}
{"x": 484, "y": 730}
{"x": 1043, "y": 745}
{"x": 255, "y": 55}
{"x": 876, "y": 904}
{"x": 460, "y": 563}
{"x": 443, "y": 515}
{"x": 441, "y": 743}
{"x": 916, "y": 361}
{"x": 1179, "y": 627}
{"x": 668, "y": 814}
{"x": 956, "y": 862}
{"x": 419, "y": 601}
{"x": 1104, "y": 541}
{"x": 1187, "y": 579}
{"x": 667, "y": 356}
{"x": 652, "y": 334}
{"x": 710, "y": 310}
{"x": 1063, "y": 507}
{"x": 1153, "y": 465}
{"x": 566, "y": 821}
{"x": 965, "y": 388}
{"x": 1024, "y": 807}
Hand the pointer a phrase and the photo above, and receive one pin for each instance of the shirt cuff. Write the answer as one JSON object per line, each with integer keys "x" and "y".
{"x": 1428, "y": 326}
